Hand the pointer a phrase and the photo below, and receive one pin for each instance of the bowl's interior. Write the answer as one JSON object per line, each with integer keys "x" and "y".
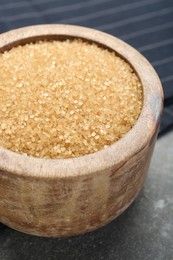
{"x": 136, "y": 139}
{"x": 48, "y": 38}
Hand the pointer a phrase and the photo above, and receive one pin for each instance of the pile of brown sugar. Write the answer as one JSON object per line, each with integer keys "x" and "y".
{"x": 64, "y": 99}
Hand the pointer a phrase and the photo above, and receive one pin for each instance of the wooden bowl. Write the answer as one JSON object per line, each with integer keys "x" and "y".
{"x": 65, "y": 197}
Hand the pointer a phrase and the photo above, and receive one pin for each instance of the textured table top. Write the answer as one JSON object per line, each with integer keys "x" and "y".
{"x": 143, "y": 232}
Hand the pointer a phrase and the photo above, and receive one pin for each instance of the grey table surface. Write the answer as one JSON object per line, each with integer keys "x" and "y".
{"x": 143, "y": 232}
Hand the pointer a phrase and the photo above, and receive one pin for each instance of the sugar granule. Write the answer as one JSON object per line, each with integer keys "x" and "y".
{"x": 62, "y": 99}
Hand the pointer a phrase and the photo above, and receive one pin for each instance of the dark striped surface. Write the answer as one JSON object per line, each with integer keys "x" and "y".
{"x": 147, "y": 25}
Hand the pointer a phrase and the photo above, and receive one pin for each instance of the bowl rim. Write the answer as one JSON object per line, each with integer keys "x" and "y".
{"x": 119, "y": 152}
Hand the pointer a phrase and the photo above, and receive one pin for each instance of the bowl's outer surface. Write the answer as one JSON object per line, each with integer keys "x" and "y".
{"x": 74, "y": 196}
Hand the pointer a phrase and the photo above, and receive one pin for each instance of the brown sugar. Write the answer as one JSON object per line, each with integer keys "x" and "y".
{"x": 62, "y": 99}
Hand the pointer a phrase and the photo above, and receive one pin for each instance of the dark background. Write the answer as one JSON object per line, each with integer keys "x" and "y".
{"x": 145, "y": 230}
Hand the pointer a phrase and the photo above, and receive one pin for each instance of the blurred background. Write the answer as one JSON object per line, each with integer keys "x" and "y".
{"x": 145, "y": 230}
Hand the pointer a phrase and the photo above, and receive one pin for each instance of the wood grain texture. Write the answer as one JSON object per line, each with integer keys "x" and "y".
{"x": 72, "y": 196}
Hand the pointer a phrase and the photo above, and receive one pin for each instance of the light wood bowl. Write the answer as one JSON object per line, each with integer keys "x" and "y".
{"x": 65, "y": 197}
